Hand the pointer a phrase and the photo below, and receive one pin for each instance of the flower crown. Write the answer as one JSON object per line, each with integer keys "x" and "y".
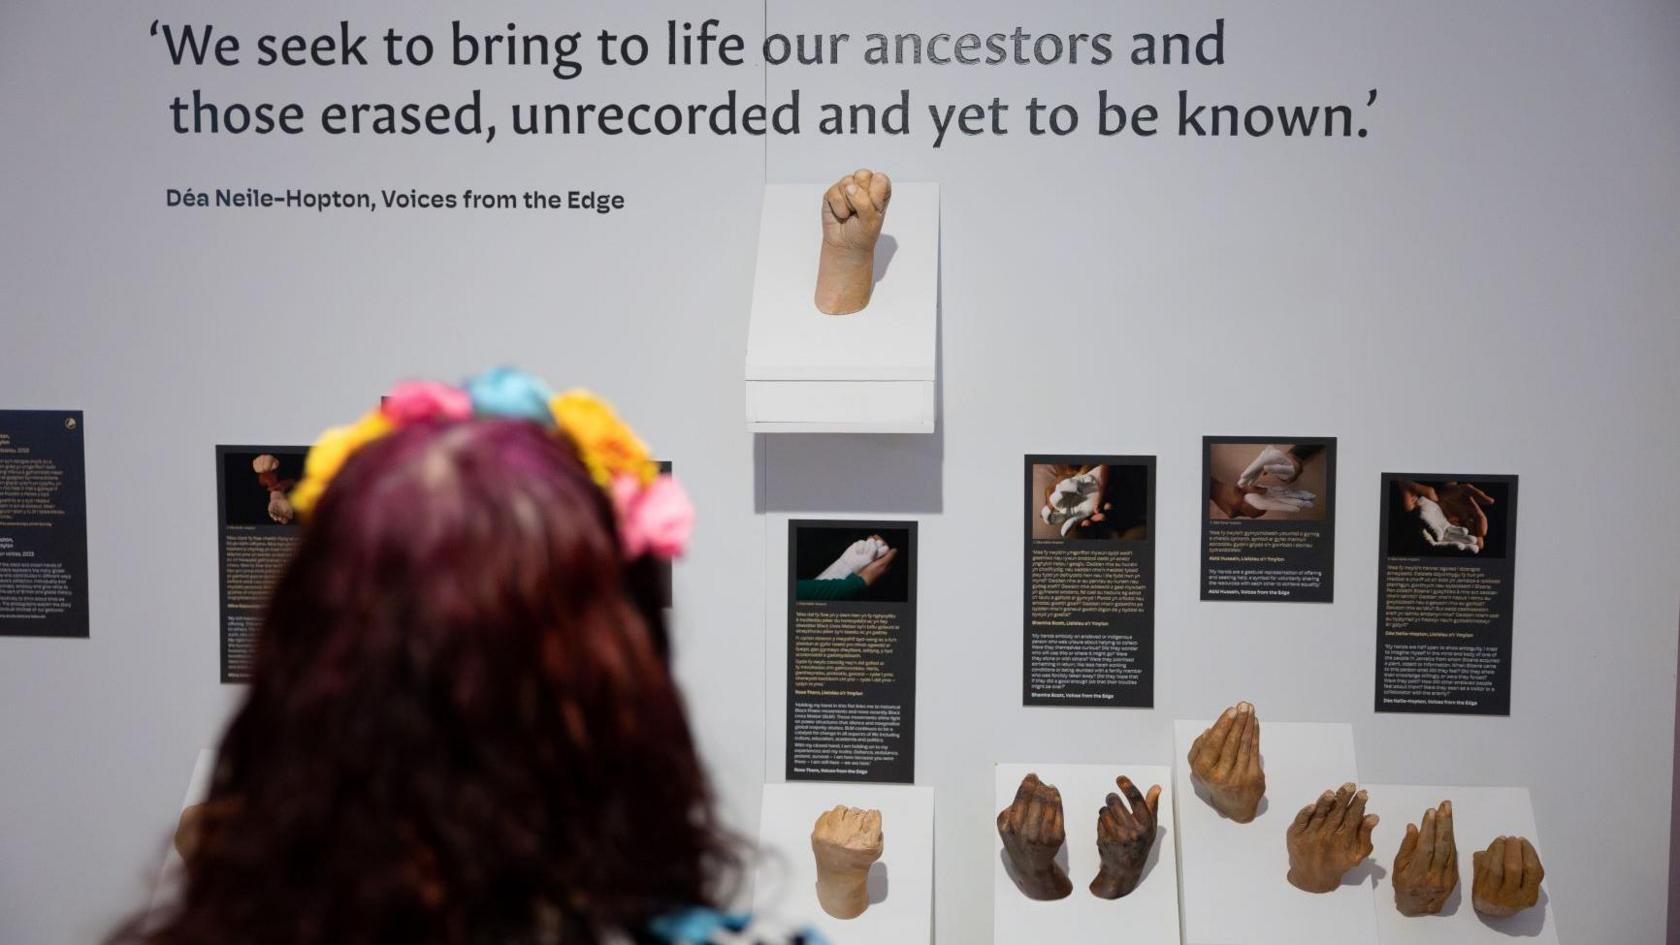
{"x": 654, "y": 514}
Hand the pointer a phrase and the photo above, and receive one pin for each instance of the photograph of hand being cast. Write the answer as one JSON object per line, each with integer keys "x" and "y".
{"x": 1447, "y": 518}
{"x": 847, "y": 565}
{"x": 1282, "y": 481}
{"x": 1090, "y": 501}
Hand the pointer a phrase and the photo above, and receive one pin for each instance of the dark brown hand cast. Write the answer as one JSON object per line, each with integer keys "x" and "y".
{"x": 846, "y": 842}
{"x": 852, "y": 213}
{"x": 1426, "y": 868}
{"x": 1124, "y": 838}
{"x": 1328, "y": 838}
{"x": 1225, "y": 762}
{"x": 1507, "y": 877}
{"x": 1033, "y": 831}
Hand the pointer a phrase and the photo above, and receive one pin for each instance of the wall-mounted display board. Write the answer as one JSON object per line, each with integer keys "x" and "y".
{"x": 1446, "y": 587}
{"x": 1089, "y": 581}
{"x": 1269, "y": 518}
{"x": 43, "y": 524}
{"x": 851, "y": 651}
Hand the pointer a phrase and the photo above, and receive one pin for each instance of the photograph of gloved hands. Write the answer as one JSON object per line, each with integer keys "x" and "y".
{"x": 1276, "y": 480}
{"x": 1445, "y": 517}
{"x": 1091, "y": 501}
{"x": 859, "y": 571}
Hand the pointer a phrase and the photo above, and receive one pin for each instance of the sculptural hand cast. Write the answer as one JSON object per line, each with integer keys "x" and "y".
{"x": 1507, "y": 877}
{"x": 846, "y": 842}
{"x": 1225, "y": 762}
{"x": 1328, "y": 838}
{"x": 1032, "y": 830}
{"x": 852, "y": 213}
{"x": 1426, "y": 868}
{"x": 1124, "y": 838}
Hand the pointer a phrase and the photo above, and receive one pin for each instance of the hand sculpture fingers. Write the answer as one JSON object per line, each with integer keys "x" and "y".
{"x": 835, "y": 206}
{"x": 1108, "y": 819}
{"x": 1303, "y": 819}
{"x": 1533, "y": 872}
{"x": 1141, "y": 811}
{"x": 1152, "y": 800}
{"x": 1513, "y": 878}
{"x": 1207, "y": 748}
{"x": 858, "y": 198}
{"x": 1493, "y": 860}
{"x": 880, "y": 191}
{"x": 1338, "y": 809}
{"x": 1321, "y": 811}
{"x": 1253, "y": 768}
{"x": 1248, "y": 749}
{"x": 1354, "y": 814}
{"x": 1425, "y": 839}
{"x": 1407, "y": 860}
{"x": 1234, "y": 735}
{"x": 1367, "y": 827}
{"x": 1445, "y": 856}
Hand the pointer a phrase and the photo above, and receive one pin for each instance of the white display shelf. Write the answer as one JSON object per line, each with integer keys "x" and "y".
{"x": 1479, "y": 815}
{"x": 1233, "y": 877}
{"x": 874, "y": 371}
{"x": 1148, "y": 914}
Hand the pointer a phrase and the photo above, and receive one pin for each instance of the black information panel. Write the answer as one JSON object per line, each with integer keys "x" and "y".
{"x": 1089, "y": 636}
{"x": 1269, "y": 518}
{"x": 258, "y": 529}
{"x": 43, "y": 524}
{"x": 851, "y": 651}
{"x": 1444, "y": 594}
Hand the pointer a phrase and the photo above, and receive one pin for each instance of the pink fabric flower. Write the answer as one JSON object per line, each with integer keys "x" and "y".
{"x": 417, "y": 401}
{"x": 655, "y": 519}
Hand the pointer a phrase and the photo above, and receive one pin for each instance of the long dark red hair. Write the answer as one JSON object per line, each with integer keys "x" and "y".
{"x": 462, "y": 726}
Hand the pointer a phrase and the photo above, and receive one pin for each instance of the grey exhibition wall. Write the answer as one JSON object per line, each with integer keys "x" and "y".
{"x": 1486, "y": 283}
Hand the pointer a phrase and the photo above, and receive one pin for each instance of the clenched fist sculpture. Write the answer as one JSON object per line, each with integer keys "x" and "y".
{"x": 1507, "y": 877}
{"x": 1225, "y": 762}
{"x": 1033, "y": 831}
{"x": 1124, "y": 838}
{"x": 1328, "y": 838}
{"x": 852, "y": 213}
{"x": 1426, "y": 868}
{"x": 846, "y": 842}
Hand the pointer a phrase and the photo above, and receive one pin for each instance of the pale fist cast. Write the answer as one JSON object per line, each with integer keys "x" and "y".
{"x": 852, "y": 213}
{"x": 846, "y": 842}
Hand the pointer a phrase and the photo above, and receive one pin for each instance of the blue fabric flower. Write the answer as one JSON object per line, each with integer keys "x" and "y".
{"x": 507, "y": 392}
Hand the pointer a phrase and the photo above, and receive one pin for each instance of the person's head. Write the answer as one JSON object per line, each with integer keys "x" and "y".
{"x": 462, "y": 725}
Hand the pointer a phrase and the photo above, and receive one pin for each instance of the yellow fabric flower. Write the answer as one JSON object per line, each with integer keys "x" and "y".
{"x": 328, "y": 454}
{"x": 607, "y": 446}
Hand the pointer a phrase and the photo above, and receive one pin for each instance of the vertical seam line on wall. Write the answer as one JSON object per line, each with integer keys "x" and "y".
{"x": 764, "y": 454}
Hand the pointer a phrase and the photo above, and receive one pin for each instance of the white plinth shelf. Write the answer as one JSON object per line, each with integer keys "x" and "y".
{"x": 1148, "y": 913}
{"x": 1233, "y": 876}
{"x": 1479, "y": 815}
{"x": 870, "y": 372}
